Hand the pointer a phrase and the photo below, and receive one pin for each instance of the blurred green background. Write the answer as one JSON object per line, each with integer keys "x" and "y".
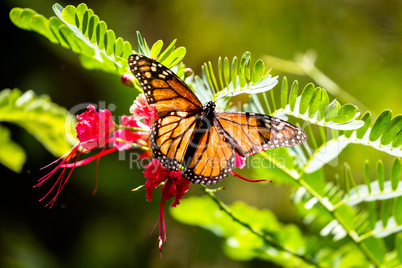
{"x": 358, "y": 43}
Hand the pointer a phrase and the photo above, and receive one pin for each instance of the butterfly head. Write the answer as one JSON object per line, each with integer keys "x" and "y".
{"x": 209, "y": 110}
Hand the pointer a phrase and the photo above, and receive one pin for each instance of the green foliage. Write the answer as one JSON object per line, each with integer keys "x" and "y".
{"x": 79, "y": 29}
{"x": 245, "y": 243}
{"x": 384, "y": 135}
{"x": 351, "y": 218}
{"x": 11, "y": 154}
{"x": 46, "y": 121}
{"x": 233, "y": 80}
{"x": 313, "y": 107}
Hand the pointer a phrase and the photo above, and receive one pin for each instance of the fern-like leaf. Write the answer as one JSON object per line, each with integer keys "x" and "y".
{"x": 385, "y": 135}
{"x": 313, "y": 107}
{"x": 234, "y": 80}
{"x": 47, "y": 122}
{"x": 12, "y": 155}
{"x": 79, "y": 29}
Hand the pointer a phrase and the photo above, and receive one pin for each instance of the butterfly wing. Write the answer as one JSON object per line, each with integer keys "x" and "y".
{"x": 195, "y": 144}
{"x": 183, "y": 136}
{"x": 162, "y": 87}
{"x": 249, "y": 133}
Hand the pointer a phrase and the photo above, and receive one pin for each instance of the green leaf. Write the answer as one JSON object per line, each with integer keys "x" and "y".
{"x": 367, "y": 175}
{"x": 47, "y": 122}
{"x": 366, "y": 118}
{"x": 220, "y": 74}
{"x": 234, "y": 71}
{"x": 385, "y": 211}
{"x": 323, "y": 105}
{"x": 380, "y": 175}
{"x": 315, "y": 102}
{"x": 397, "y": 210}
{"x": 284, "y": 92}
{"x": 79, "y": 16}
{"x": 258, "y": 71}
{"x": 211, "y": 76}
{"x": 394, "y": 128}
{"x": 247, "y": 69}
{"x": 110, "y": 39}
{"x": 243, "y": 69}
{"x": 165, "y": 54}
{"x": 380, "y": 125}
{"x": 372, "y": 215}
{"x": 226, "y": 72}
{"x": 396, "y": 173}
{"x": 294, "y": 92}
{"x": 398, "y": 245}
{"x": 348, "y": 178}
{"x": 332, "y": 111}
{"x": 68, "y": 13}
{"x": 306, "y": 97}
{"x": 22, "y": 17}
{"x": 156, "y": 48}
{"x": 92, "y": 27}
{"x": 101, "y": 30}
{"x": 398, "y": 140}
{"x": 346, "y": 215}
{"x": 54, "y": 25}
{"x": 346, "y": 113}
{"x": 375, "y": 248}
{"x": 86, "y": 22}
{"x": 11, "y": 154}
{"x": 41, "y": 25}
{"x": 119, "y": 47}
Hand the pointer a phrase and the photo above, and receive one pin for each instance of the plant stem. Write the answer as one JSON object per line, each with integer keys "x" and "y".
{"x": 326, "y": 204}
{"x": 267, "y": 239}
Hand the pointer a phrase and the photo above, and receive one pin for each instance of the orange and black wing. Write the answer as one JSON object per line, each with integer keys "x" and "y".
{"x": 199, "y": 147}
{"x": 249, "y": 133}
{"x": 162, "y": 87}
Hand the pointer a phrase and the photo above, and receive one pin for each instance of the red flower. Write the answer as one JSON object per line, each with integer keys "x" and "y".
{"x": 127, "y": 79}
{"x": 141, "y": 110}
{"x": 97, "y": 130}
{"x": 175, "y": 185}
{"x": 93, "y": 128}
{"x": 240, "y": 161}
{"x": 130, "y": 136}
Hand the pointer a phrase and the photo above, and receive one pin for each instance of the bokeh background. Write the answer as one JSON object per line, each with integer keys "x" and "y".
{"x": 358, "y": 45}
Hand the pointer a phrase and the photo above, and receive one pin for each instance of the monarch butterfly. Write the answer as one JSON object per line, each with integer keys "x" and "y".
{"x": 198, "y": 138}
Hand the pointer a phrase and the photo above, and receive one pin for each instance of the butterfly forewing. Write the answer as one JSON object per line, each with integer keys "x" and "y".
{"x": 162, "y": 87}
{"x": 250, "y": 133}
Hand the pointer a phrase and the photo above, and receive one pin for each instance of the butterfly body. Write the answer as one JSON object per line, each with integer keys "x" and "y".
{"x": 197, "y": 138}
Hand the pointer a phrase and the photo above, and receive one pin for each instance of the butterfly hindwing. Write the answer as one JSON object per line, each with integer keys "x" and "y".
{"x": 162, "y": 87}
{"x": 195, "y": 144}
